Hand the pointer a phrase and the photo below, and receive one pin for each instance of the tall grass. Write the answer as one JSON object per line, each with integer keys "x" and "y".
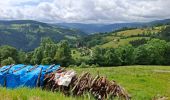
{"x": 31, "y": 94}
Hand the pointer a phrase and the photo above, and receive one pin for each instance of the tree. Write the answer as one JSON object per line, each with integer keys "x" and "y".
{"x": 156, "y": 49}
{"x": 141, "y": 55}
{"x": 111, "y": 57}
{"x": 21, "y": 57}
{"x": 63, "y": 54}
{"x": 37, "y": 56}
{"x": 126, "y": 54}
{"x": 167, "y": 54}
{"x": 46, "y": 61}
{"x": 8, "y": 61}
{"x": 165, "y": 34}
{"x": 28, "y": 58}
{"x": 8, "y": 51}
{"x": 47, "y": 49}
{"x": 151, "y": 53}
{"x": 98, "y": 56}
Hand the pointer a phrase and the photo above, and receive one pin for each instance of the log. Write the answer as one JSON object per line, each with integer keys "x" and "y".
{"x": 38, "y": 79}
{"x": 20, "y": 68}
{"x": 50, "y": 67}
{"x": 33, "y": 68}
{"x": 7, "y": 68}
{"x": 7, "y": 73}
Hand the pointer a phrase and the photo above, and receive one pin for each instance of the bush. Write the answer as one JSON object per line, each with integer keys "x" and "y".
{"x": 84, "y": 65}
{"x": 8, "y": 61}
{"x": 71, "y": 66}
{"x": 94, "y": 65}
{"x": 46, "y": 61}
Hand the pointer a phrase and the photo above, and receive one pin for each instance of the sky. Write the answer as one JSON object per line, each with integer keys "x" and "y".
{"x": 85, "y": 11}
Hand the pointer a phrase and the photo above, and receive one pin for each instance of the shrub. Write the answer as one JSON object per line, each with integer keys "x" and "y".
{"x": 84, "y": 65}
{"x": 8, "y": 61}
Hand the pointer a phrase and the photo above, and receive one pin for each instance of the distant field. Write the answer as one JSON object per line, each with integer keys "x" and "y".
{"x": 140, "y": 31}
{"x": 141, "y": 82}
{"x": 124, "y": 37}
{"x": 121, "y": 42}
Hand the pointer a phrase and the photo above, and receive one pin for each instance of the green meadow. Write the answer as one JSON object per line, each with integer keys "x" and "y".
{"x": 141, "y": 82}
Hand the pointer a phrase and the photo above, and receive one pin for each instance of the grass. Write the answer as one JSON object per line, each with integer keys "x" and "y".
{"x": 141, "y": 82}
{"x": 121, "y": 42}
{"x": 138, "y": 31}
{"x": 115, "y": 39}
{"x": 31, "y": 94}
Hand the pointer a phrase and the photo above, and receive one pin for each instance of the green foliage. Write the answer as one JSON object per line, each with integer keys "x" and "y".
{"x": 106, "y": 57}
{"x": 21, "y": 57}
{"x": 37, "y": 56}
{"x": 167, "y": 54}
{"x": 47, "y": 61}
{"x": 45, "y": 52}
{"x": 151, "y": 53}
{"x": 98, "y": 56}
{"x": 141, "y": 56}
{"x": 112, "y": 57}
{"x": 28, "y": 57}
{"x": 164, "y": 34}
{"x": 8, "y": 51}
{"x": 63, "y": 54}
{"x": 107, "y": 49}
{"x": 84, "y": 65}
{"x": 125, "y": 54}
{"x": 8, "y": 61}
{"x": 48, "y": 47}
{"x": 155, "y": 52}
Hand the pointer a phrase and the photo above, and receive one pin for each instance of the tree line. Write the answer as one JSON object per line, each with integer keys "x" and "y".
{"x": 47, "y": 53}
{"x": 153, "y": 52}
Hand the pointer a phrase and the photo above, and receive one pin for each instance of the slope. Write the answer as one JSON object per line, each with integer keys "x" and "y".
{"x": 26, "y": 34}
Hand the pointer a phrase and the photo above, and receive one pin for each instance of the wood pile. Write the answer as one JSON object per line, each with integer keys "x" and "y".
{"x": 99, "y": 87}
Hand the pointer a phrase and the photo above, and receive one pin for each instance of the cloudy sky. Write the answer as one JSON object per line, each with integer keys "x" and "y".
{"x": 85, "y": 11}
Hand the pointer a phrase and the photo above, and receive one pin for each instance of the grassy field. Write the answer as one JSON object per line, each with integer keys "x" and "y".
{"x": 141, "y": 82}
{"x": 124, "y": 37}
{"x": 122, "y": 42}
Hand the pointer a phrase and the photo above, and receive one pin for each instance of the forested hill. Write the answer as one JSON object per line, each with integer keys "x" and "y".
{"x": 96, "y": 28}
{"x": 128, "y": 46}
{"x": 26, "y": 34}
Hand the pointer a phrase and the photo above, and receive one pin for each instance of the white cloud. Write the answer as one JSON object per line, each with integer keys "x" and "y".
{"x": 85, "y": 11}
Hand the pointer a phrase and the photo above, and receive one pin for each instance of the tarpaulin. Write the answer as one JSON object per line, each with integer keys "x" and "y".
{"x": 24, "y": 75}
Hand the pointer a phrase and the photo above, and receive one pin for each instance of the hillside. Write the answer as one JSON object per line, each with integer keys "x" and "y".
{"x": 26, "y": 34}
{"x": 124, "y": 36}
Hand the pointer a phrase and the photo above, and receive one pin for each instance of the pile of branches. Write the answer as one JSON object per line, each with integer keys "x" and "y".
{"x": 100, "y": 87}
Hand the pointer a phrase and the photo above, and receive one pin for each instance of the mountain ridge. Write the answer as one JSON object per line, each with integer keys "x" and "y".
{"x": 100, "y": 28}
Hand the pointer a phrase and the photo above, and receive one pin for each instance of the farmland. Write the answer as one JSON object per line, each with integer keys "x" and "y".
{"x": 141, "y": 82}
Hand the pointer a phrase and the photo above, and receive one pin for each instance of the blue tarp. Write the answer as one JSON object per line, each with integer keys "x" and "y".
{"x": 19, "y": 75}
